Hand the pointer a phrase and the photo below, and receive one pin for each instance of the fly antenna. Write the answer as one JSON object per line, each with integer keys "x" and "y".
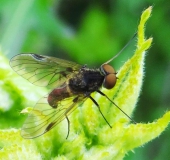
{"x": 121, "y": 49}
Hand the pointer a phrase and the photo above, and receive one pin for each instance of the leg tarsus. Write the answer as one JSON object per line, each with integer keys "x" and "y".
{"x": 68, "y": 126}
{"x": 100, "y": 111}
{"x": 116, "y": 105}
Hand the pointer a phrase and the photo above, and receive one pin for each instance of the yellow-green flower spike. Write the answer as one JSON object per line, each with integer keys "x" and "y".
{"x": 13, "y": 146}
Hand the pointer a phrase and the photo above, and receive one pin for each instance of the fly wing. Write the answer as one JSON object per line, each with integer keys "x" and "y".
{"x": 43, "y": 117}
{"x": 43, "y": 70}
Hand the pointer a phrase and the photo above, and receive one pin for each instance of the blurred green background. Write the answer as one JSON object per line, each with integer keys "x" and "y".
{"x": 90, "y": 32}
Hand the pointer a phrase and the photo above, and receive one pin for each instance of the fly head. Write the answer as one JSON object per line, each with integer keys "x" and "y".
{"x": 110, "y": 76}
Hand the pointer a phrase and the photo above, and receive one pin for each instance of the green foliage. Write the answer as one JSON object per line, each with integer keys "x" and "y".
{"x": 13, "y": 146}
{"x": 90, "y": 137}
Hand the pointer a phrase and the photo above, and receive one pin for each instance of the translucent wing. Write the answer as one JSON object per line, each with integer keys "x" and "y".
{"x": 44, "y": 117}
{"x": 43, "y": 70}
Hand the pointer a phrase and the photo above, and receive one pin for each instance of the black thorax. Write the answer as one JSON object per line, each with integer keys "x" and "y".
{"x": 86, "y": 81}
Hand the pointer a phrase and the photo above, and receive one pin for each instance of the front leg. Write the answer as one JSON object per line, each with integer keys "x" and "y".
{"x": 99, "y": 110}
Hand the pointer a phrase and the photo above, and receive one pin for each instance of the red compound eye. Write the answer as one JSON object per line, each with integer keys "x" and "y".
{"x": 110, "y": 76}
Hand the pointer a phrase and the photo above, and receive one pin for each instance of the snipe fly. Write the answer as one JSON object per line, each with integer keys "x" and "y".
{"x": 71, "y": 85}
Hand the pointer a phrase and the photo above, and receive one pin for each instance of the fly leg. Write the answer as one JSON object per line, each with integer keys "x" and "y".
{"x": 69, "y": 110}
{"x": 68, "y": 126}
{"x": 100, "y": 110}
{"x": 116, "y": 105}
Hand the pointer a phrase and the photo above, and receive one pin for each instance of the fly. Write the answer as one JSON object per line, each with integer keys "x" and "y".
{"x": 72, "y": 84}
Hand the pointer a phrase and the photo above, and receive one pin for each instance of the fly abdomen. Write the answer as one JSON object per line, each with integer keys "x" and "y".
{"x": 58, "y": 94}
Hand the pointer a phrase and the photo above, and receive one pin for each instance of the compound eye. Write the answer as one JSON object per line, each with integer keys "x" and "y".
{"x": 108, "y": 69}
{"x": 110, "y": 76}
{"x": 109, "y": 81}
